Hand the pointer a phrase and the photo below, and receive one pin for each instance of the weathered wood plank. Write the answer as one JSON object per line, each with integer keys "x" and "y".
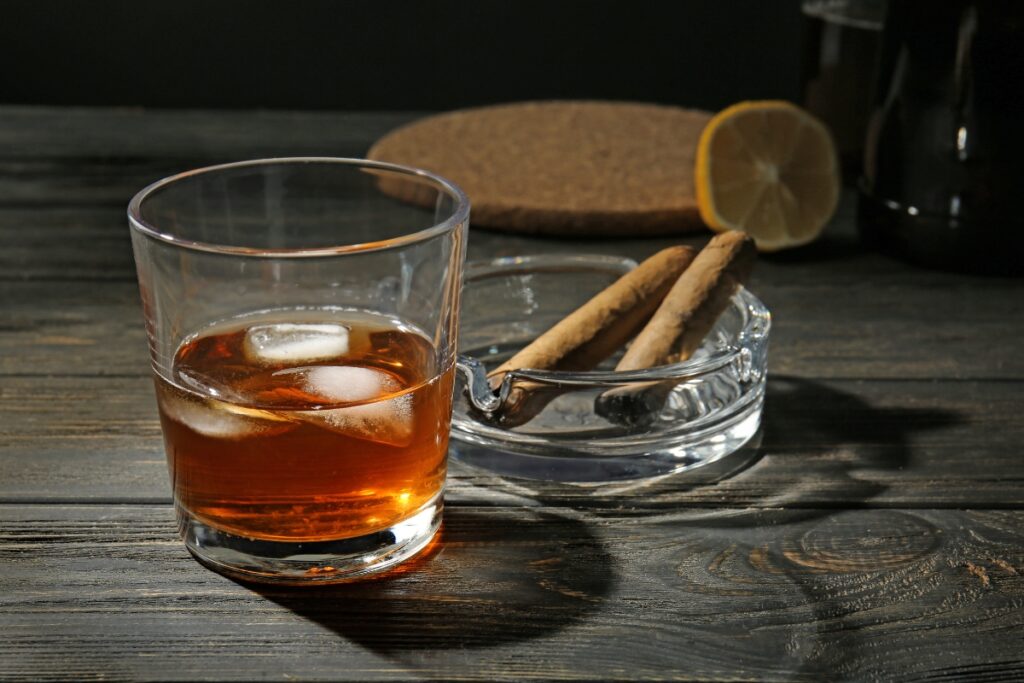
{"x": 84, "y": 183}
{"x": 93, "y": 328}
{"x": 87, "y": 237}
{"x": 50, "y": 156}
{"x": 42, "y": 133}
{"x": 824, "y": 331}
{"x": 72, "y": 243}
{"x": 41, "y": 243}
{"x": 99, "y": 591}
{"x": 686, "y": 578}
{"x": 825, "y": 444}
{"x": 861, "y": 316}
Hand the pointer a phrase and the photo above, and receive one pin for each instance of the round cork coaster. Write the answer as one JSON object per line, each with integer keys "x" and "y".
{"x": 563, "y": 168}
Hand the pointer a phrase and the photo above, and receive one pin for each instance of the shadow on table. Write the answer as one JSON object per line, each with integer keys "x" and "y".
{"x": 841, "y": 442}
{"x": 830, "y": 435}
{"x": 800, "y": 512}
{"x": 492, "y": 577}
{"x": 815, "y": 443}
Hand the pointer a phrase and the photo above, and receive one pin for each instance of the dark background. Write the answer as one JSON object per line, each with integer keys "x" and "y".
{"x": 395, "y": 54}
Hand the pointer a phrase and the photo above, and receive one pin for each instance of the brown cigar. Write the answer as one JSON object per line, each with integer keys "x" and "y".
{"x": 677, "y": 328}
{"x": 591, "y": 333}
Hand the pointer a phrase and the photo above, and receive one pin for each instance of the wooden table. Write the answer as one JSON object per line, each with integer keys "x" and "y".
{"x": 879, "y": 535}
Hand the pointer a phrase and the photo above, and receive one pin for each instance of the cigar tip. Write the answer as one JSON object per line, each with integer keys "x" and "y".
{"x": 736, "y": 247}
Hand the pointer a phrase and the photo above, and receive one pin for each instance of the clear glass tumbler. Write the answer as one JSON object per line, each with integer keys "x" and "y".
{"x": 302, "y": 319}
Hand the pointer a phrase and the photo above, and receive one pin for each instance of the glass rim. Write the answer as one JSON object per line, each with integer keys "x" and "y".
{"x": 458, "y": 216}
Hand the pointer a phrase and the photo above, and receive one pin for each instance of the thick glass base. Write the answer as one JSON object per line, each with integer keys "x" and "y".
{"x": 310, "y": 562}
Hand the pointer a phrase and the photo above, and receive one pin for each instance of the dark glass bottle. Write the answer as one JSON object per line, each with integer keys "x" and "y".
{"x": 944, "y": 156}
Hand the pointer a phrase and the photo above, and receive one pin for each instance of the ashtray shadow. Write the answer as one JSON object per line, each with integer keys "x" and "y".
{"x": 815, "y": 445}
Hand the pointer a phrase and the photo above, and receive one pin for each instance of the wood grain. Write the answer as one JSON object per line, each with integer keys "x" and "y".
{"x": 828, "y": 330}
{"x": 71, "y": 243}
{"x": 876, "y": 532}
{"x": 72, "y": 328}
{"x": 835, "y": 260}
{"x": 70, "y": 133}
{"x": 825, "y": 444}
{"x": 109, "y": 592}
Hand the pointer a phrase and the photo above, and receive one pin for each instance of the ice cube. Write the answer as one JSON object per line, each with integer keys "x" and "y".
{"x": 349, "y": 383}
{"x": 222, "y": 420}
{"x": 295, "y": 343}
{"x": 381, "y": 419}
{"x": 389, "y": 421}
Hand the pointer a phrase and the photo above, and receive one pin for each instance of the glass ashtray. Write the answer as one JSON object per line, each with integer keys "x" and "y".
{"x": 708, "y": 406}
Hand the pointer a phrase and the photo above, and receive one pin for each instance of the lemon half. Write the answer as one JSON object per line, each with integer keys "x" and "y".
{"x": 769, "y": 169}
